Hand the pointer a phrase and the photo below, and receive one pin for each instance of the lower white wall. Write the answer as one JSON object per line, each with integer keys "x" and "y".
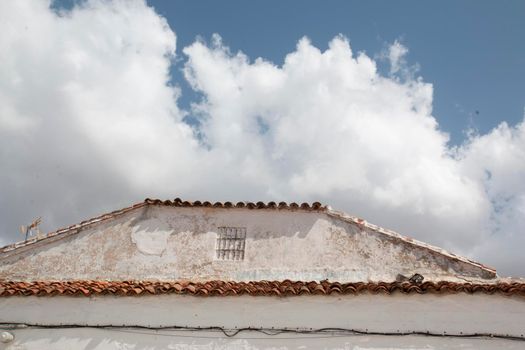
{"x": 452, "y": 313}
{"x": 137, "y": 339}
{"x": 440, "y": 314}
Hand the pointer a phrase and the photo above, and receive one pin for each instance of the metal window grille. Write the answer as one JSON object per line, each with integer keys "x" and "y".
{"x": 231, "y": 242}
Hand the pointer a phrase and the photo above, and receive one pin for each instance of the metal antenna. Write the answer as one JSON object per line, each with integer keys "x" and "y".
{"x": 29, "y": 228}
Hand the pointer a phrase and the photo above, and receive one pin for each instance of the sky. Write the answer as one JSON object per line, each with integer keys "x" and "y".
{"x": 407, "y": 114}
{"x": 471, "y": 51}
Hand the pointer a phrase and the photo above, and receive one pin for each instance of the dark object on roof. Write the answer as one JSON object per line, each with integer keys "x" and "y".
{"x": 417, "y": 278}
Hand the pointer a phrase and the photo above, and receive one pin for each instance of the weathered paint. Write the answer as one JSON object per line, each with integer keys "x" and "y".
{"x": 453, "y": 314}
{"x": 177, "y": 243}
{"x": 167, "y": 243}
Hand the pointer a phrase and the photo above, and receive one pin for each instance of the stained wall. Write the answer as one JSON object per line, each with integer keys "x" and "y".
{"x": 167, "y": 243}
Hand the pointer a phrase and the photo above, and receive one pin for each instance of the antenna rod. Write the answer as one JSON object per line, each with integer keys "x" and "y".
{"x": 31, "y": 227}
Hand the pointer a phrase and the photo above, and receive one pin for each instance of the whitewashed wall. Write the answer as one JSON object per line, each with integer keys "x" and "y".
{"x": 129, "y": 339}
{"x": 440, "y": 314}
{"x": 167, "y": 243}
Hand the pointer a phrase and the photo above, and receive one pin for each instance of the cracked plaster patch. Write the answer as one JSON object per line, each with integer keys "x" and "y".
{"x": 148, "y": 241}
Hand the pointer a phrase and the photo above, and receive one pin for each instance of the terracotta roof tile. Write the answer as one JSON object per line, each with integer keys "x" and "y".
{"x": 177, "y": 202}
{"x": 259, "y": 288}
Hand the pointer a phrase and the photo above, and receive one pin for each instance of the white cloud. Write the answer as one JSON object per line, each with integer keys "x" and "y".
{"x": 396, "y": 55}
{"x": 497, "y": 162}
{"x": 336, "y": 129}
{"x": 87, "y": 115}
{"x": 88, "y": 122}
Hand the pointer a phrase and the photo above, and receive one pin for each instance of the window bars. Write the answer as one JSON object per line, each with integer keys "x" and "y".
{"x": 231, "y": 242}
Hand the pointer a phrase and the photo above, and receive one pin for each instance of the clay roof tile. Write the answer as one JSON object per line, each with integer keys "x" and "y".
{"x": 262, "y": 288}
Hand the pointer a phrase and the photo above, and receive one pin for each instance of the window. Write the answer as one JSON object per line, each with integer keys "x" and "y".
{"x": 230, "y": 243}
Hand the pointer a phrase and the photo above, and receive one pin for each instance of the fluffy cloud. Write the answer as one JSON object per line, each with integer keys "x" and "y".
{"x": 87, "y": 118}
{"x": 327, "y": 125}
{"x": 497, "y": 162}
{"x": 89, "y": 122}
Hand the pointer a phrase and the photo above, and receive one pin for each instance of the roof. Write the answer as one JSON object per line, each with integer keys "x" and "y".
{"x": 177, "y": 202}
{"x": 258, "y": 288}
{"x": 313, "y": 207}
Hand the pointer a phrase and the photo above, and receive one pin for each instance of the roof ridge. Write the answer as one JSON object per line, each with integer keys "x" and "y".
{"x": 177, "y": 202}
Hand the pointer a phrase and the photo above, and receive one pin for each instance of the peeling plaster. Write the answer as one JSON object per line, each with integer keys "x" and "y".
{"x": 167, "y": 243}
{"x": 149, "y": 238}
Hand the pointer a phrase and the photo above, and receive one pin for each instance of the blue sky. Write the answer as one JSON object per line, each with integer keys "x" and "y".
{"x": 473, "y": 52}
